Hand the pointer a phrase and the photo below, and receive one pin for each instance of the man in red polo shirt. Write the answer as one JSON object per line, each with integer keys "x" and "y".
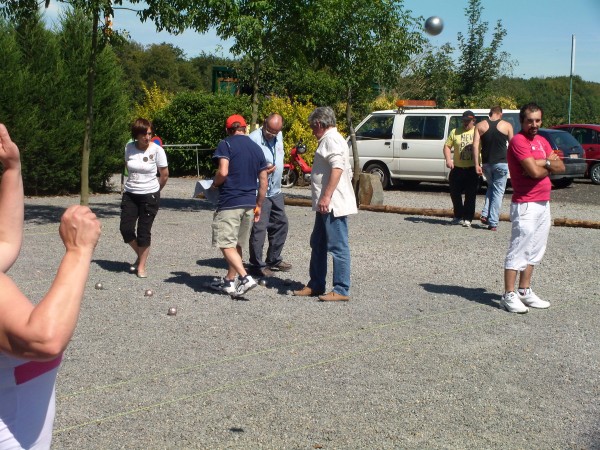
{"x": 530, "y": 161}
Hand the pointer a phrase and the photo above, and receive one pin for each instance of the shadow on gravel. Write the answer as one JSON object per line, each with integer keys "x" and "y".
{"x": 195, "y": 282}
{"x": 217, "y": 263}
{"x": 43, "y": 214}
{"x": 478, "y": 295}
{"x": 46, "y": 214}
{"x": 113, "y": 266}
{"x": 185, "y": 203}
{"x": 427, "y": 220}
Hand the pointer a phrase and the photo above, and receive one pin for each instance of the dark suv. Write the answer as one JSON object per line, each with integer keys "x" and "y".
{"x": 588, "y": 136}
{"x": 570, "y": 152}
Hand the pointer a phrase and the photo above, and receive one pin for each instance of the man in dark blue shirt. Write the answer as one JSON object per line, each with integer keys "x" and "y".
{"x": 241, "y": 163}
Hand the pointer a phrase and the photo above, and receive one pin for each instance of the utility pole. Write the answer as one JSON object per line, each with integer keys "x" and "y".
{"x": 572, "y": 72}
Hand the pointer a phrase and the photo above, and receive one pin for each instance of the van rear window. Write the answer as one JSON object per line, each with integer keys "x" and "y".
{"x": 424, "y": 127}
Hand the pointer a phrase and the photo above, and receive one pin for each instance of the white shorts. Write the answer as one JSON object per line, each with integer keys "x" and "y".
{"x": 529, "y": 236}
{"x": 26, "y": 403}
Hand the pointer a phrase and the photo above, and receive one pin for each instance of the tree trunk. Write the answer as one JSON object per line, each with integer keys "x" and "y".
{"x": 255, "y": 76}
{"x": 356, "y": 171}
{"x": 89, "y": 116}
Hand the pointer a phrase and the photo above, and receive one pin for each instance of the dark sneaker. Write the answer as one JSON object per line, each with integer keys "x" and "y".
{"x": 492, "y": 228}
{"x": 244, "y": 285}
{"x": 281, "y": 267}
{"x": 223, "y": 285}
{"x": 484, "y": 220}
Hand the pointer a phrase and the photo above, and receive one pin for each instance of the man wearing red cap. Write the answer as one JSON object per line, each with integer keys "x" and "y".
{"x": 240, "y": 163}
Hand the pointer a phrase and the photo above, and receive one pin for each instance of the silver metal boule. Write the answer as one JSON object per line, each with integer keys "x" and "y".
{"x": 148, "y": 293}
{"x": 434, "y": 25}
{"x": 287, "y": 281}
{"x": 263, "y": 282}
{"x": 172, "y": 311}
{"x": 99, "y": 286}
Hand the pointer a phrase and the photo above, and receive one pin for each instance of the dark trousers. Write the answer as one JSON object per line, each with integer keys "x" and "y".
{"x": 274, "y": 223}
{"x": 463, "y": 180}
{"x": 140, "y": 209}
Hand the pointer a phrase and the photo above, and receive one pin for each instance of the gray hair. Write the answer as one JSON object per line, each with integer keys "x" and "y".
{"x": 323, "y": 116}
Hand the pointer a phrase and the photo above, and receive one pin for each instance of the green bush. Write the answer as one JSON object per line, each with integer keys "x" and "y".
{"x": 196, "y": 118}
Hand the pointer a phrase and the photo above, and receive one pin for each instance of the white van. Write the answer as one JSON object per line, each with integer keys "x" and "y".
{"x": 405, "y": 146}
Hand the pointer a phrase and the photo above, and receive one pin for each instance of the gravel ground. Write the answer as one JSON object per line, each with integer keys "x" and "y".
{"x": 421, "y": 357}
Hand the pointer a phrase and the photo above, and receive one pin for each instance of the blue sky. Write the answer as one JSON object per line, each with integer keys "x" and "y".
{"x": 538, "y": 33}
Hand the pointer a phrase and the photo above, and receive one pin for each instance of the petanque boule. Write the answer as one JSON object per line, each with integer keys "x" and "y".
{"x": 172, "y": 311}
{"x": 263, "y": 282}
{"x": 148, "y": 293}
{"x": 287, "y": 282}
{"x": 434, "y": 25}
{"x": 99, "y": 286}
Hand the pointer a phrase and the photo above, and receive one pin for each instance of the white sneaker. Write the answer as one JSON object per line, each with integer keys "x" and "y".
{"x": 244, "y": 285}
{"x": 466, "y": 224}
{"x": 532, "y": 300}
{"x": 223, "y": 285}
{"x": 510, "y": 301}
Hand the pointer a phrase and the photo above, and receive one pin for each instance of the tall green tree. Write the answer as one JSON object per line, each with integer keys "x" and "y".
{"x": 172, "y": 16}
{"x": 358, "y": 43}
{"x": 479, "y": 64}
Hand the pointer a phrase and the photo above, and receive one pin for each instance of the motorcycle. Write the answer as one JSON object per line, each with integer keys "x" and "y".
{"x": 295, "y": 166}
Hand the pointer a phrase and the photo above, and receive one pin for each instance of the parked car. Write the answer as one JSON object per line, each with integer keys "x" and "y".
{"x": 571, "y": 153}
{"x": 588, "y": 136}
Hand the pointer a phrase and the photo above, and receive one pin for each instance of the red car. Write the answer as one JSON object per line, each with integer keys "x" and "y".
{"x": 589, "y": 138}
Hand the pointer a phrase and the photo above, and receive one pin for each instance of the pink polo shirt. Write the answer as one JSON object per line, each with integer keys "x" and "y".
{"x": 525, "y": 188}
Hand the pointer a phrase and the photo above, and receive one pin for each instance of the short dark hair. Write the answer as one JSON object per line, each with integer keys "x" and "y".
{"x": 531, "y": 107}
{"x": 495, "y": 110}
{"x": 140, "y": 126}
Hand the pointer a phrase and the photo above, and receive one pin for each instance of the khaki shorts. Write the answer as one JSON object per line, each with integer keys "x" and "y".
{"x": 231, "y": 227}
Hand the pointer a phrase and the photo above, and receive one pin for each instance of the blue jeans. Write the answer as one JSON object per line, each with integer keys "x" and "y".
{"x": 496, "y": 175}
{"x": 330, "y": 235}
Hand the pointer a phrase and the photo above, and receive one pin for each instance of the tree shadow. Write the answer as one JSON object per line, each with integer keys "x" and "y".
{"x": 48, "y": 214}
{"x": 479, "y": 295}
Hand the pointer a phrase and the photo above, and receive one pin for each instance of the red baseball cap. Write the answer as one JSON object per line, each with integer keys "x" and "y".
{"x": 233, "y": 119}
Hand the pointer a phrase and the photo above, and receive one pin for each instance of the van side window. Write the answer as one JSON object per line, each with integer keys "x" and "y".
{"x": 376, "y": 127}
{"x": 424, "y": 127}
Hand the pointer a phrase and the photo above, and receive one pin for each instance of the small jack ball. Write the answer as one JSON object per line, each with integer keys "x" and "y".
{"x": 434, "y": 25}
{"x": 148, "y": 293}
{"x": 172, "y": 311}
{"x": 99, "y": 286}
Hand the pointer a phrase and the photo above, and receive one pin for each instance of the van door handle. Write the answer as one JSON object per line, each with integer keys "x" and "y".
{"x": 387, "y": 143}
{"x": 404, "y": 146}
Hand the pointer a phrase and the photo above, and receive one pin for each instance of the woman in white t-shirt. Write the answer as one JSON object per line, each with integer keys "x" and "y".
{"x": 141, "y": 196}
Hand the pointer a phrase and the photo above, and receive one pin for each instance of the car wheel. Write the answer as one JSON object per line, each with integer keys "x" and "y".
{"x": 595, "y": 173}
{"x": 381, "y": 171}
{"x": 561, "y": 183}
{"x": 288, "y": 177}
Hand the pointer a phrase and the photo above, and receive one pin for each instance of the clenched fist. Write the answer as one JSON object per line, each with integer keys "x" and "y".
{"x": 79, "y": 228}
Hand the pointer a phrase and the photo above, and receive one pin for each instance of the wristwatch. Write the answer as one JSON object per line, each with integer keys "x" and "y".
{"x": 548, "y": 164}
